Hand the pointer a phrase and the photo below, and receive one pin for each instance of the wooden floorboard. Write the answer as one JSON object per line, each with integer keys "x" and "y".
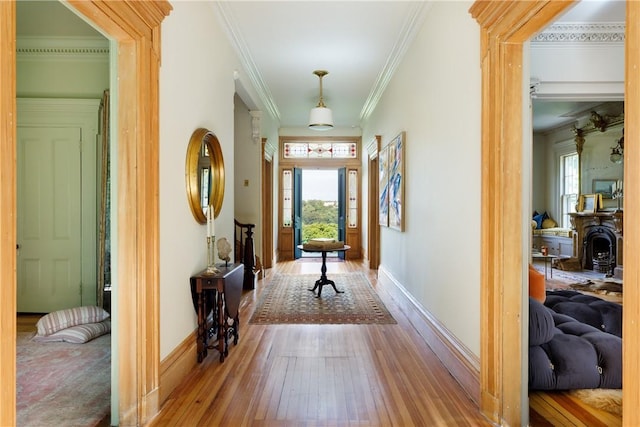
{"x": 336, "y": 375}
{"x": 322, "y": 375}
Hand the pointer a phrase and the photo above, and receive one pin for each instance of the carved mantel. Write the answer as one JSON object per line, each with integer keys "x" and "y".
{"x": 583, "y": 223}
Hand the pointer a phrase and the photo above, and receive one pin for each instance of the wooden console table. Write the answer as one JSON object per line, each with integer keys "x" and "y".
{"x": 219, "y": 293}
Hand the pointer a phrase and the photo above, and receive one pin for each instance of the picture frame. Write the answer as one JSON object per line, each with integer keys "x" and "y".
{"x": 589, "y": 203}
{"x": 383, "y": 187}
{"x": 396, "y": 162}
{"x": 604, "y": 187}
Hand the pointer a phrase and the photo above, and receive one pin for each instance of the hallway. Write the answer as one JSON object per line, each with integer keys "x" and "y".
{"x": 320, "y": 375}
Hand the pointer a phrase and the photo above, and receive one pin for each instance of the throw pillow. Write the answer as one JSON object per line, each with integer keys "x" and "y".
{"x": 63, "y": 319}
{"x": 78, "y": 334}
{"x": 549, "y": 223}
{"x": 539, "y": 218}
{"x": 537, "y": 289}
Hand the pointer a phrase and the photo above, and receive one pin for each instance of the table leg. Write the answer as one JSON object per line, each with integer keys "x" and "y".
{"x": 201, "y": 344}
{"x": 221, "y": 326}
{"x": 323, "y": 278}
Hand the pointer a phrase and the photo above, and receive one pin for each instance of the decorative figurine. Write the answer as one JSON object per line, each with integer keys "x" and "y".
{"x": 224, "y": 249}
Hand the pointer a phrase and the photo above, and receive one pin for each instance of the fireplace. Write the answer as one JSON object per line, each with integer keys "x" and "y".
{"x": 600, "y": 250}
{"x": 598, "y": 241}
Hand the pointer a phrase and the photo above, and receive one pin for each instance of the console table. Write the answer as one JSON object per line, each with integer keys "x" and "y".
{"x": 219, "y": 293}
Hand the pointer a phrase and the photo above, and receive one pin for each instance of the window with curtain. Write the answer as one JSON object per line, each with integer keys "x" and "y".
{"x": 569, "y": 186}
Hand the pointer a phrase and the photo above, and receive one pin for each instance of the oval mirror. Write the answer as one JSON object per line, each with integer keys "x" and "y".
{"x": 204, "y": 174}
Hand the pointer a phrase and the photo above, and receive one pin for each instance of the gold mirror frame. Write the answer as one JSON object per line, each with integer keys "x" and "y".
{"x": 196, "y": 161}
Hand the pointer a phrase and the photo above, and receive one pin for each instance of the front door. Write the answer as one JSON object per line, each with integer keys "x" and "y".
{"x": 342, "y": 207}
{"x": 49, "y": 218}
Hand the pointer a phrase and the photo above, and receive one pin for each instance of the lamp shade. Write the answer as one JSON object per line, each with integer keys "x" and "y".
{"x": 320, "y": 118}
{"x": 616, "y": 156}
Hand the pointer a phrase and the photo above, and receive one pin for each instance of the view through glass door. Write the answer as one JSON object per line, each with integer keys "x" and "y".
{"x": 320, "y": 212}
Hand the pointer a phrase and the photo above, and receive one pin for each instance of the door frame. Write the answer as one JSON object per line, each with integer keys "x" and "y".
{"x": 373, "y": 226}
{"x": 505, "y": 26}
{"x": 267, "y": 206}
{"x": 135, "y": 26}
{"x": 286, "y": 246}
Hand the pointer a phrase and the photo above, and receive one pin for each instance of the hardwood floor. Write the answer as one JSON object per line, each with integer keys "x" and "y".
{"x": 321, "y": 375}
{"x": 339, "y": 375}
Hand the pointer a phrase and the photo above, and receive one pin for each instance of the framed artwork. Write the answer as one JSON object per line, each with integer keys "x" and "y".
{"x": 604, "y": 187}
{"x": 589, "y": 203}
{"x": 396, "y": 182}
{"x": 383, "y": 187}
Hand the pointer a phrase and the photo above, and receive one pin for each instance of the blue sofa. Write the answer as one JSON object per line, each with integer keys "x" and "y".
{"x": 565, "y": 353}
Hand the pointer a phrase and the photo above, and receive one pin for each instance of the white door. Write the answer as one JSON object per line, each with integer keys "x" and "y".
{"x": 49, "y": 218}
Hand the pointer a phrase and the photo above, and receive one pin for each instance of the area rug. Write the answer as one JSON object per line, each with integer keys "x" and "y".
{"x": 605, "y": 287}
{"x": 63, "y": 384}
{"x": 561, "y": 276}
{"x": 287, "y": 299}
{"x": 609, "y": 400}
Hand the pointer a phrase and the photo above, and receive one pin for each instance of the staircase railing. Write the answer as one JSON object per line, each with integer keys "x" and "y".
{"x": 244, "y": 252}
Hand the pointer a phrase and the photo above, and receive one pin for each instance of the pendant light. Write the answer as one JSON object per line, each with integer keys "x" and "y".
{"x": 617, "y": 152}
{"x": 321, "y": 117}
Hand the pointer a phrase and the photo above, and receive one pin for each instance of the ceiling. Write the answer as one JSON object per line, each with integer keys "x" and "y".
{"x": 281, "y": 43}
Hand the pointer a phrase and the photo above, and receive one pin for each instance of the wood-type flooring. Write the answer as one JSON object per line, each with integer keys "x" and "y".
{"x": 337, "y": 375}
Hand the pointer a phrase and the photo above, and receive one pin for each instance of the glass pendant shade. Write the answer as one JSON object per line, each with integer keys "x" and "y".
{"x": 616, "y": 156}
{"x": 321, "y": 118}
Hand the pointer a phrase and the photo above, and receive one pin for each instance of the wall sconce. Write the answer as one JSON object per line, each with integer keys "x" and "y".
{"x": 617, "y": 152}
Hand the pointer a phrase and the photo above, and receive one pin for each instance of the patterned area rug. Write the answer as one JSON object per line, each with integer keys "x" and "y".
{"x": 287, "y": 299}
{"x": 62, "y": 384}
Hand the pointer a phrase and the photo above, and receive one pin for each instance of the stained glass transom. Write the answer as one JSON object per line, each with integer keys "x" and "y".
{"x": 322, "y": 150}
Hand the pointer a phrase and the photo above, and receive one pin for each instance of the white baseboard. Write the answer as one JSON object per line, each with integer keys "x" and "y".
{"x": 463, "y": 365}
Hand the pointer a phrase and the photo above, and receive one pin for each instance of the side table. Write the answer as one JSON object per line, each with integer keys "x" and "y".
{"x": 548, "y": 259}
{"x": 219, "y": 293}
{"x": 323, "y": 280}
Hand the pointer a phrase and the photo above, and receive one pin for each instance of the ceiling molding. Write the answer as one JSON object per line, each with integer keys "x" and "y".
{"x": 70, "y": 48}
{"x": 229, "y": 24}
{"x": 412, "y": 25}
{"x": 606, "y": 32}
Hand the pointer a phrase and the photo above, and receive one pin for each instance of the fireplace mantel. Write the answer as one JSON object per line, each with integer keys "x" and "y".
{"x": 584, "y": 223}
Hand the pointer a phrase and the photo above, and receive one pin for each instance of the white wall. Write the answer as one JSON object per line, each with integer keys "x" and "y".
{"x": 196, "y": 90}
{"x": 435, "y": 97}
{"x": 51, "y": 74}
{"x": 247, "y": 179}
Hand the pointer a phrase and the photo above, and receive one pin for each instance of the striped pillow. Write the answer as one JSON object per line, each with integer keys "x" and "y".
{"x": 78, "y": 334}
{"x": 63, "y": 319}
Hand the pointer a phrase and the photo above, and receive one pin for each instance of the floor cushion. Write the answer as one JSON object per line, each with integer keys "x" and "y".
{"x": 566, "y": 354}
{"x": 603, "y": 315}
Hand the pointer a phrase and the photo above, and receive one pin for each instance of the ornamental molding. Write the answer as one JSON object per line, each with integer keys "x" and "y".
{"x": 582, "y": 33}
{"x": 92, "y": 48}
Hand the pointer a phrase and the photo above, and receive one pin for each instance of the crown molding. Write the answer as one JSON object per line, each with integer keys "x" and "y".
{"x": 230, "y": 26}
{"x": 412, "y": 25}
{"x": 70, "y": 48}
{"x": 609, "y": 32}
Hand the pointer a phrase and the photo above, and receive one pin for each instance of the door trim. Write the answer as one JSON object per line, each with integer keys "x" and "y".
{"x": 505, "y": 26}
{"x": 135, "y": 26}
